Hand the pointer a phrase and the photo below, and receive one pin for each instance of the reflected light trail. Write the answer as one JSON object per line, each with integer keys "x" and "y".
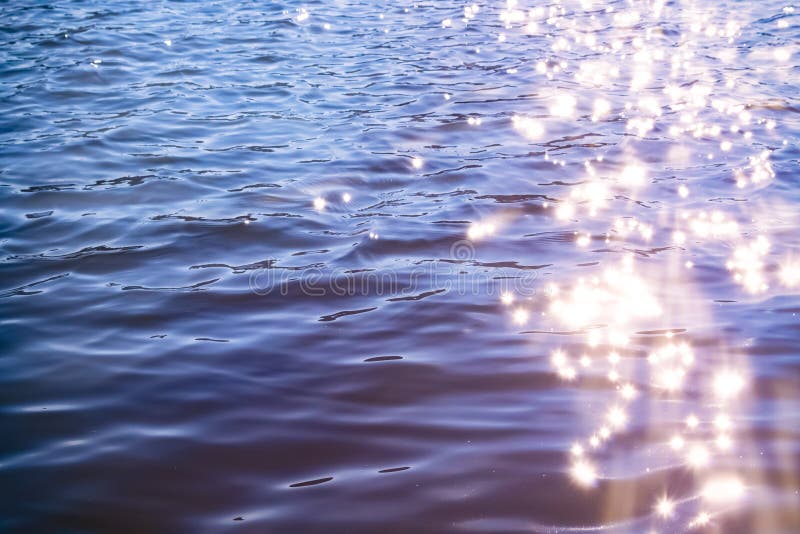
{"x": 661, "y": 75}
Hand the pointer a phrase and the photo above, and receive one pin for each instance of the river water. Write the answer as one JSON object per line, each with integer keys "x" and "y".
{"x": 400, "y": 267}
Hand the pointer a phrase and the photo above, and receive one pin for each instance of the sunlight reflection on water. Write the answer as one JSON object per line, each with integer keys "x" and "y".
{"x": 333, "y": 266}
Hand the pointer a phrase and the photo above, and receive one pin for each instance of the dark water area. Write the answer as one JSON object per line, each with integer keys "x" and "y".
{"x": 257, "y": 264}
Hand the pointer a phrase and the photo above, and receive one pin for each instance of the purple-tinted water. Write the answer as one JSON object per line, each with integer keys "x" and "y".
{"x": 257, "y": 263}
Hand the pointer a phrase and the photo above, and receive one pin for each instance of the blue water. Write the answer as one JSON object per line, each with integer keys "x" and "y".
{"x": 200, "y": 333}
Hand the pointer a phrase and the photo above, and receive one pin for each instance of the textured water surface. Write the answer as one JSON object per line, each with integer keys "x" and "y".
{"x": 257, "y": 264}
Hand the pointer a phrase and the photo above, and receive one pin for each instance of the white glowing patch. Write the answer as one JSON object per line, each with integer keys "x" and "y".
{"x": 417, "y": 163}
{"x": 683, "y": 191}
{"x": 592, "y": 194}
{"x": 565, "y": 210}
{"x": 702, "y": 519}
{"x": 541, "y": 67}
{"x": 698, "y": 456}
{"x": 520, "y": 316}
{"x": 619, "y": 297}
{"x": 722, "y": 422}
{"x": 480, "y": 230}
{"x": 530, "y": 128}
{"x": 723, "y": 489}
{"x": 692, "y": 421}
{"x": 507, "y": 298}
{"x": 560, "y": 363}
{"x": 759, "y": 167}
{"x": 626, "y": 227}
{"x": 747, "y": 265}
{"x": 665, "y": 507}
{"x": 558, "y": 359}
{"x": 617, "y": 417}
{"x": 633, "y": 175}
{"x": 319, "y": 203}
{"x": 790, "y": 274}
{"x": 563, "y": 106}
{"x": 628, "y": 392}
{"x": 670, "y": 365}
{"x": 715, "y": 225}
{"x": 584, "y": 473}
{"x": 723, "y": 442}
{"x": 567, "y": 373}
{"x": 728, "y": 384}
{"x": 782, "y": 54}
{"x": 346, "y": 198}
{"x": 640, "y": 125}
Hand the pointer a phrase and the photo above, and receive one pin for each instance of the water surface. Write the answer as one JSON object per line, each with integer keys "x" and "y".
{"x": 256, "y": 264}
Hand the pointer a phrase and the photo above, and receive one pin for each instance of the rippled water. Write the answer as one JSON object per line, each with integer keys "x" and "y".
{"x": 253, "y": 255}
